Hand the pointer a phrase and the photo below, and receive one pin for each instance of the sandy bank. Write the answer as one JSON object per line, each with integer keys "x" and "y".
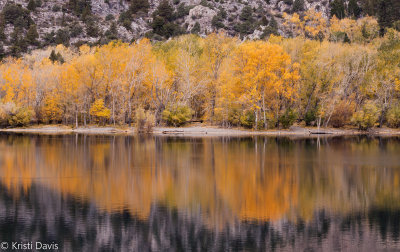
{"x": 202, "y": 131}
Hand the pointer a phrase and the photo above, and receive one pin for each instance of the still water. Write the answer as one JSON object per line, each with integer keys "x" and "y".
{"x": 102, "y": 193}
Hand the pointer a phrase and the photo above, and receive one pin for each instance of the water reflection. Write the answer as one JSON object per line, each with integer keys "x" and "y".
{"x": 192, "y": 193}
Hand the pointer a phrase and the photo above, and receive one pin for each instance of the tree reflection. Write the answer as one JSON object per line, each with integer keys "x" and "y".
{"x": 222, "y": 180}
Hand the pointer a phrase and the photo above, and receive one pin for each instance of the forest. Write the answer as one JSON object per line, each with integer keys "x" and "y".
{"x": 332, "y": 73}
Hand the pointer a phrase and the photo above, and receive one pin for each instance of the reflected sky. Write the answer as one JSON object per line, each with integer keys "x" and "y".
{"x": 215, "y": 193}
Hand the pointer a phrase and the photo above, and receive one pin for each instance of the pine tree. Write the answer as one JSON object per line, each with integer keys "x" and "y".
{"x": 246, "y": 14}
{"x": 354, "y": 9}
{"x": 31, "y": 5}
{"x": 56, "y": 57}
{"x": 3, "y": 36}
{"x": 60, "y": 58}
{"x": 71, "y": 5}
{"x": 369, "y": 7}
{"x": 165, "y": 11}
{"x": 273, "y": 24}
{"x": 298, "y": 6}
{"x": 196, "y": 28}
{"x": 112, "y": 32}
{"x": 139, "y": 6}
{"x": 264, "y": 21}
{"x": 346, "y": 39}
{"x": 53, "y": 56}
{"x": 388, "y": 13}
{"x": 272, "y": 28}
{"x": 18, "y": 42}
{"x": 383, "y": 16}
{"x": 217, "y": 22}
{"x": 2, "y": 52}
{"x": 247, "y": 25}
{"x": 32, "y": 35}
{"x": 337, "y": 9}
{"x": 163, "y": 18}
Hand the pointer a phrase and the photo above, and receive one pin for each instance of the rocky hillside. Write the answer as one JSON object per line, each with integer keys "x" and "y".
{"x": 30, "y": 24}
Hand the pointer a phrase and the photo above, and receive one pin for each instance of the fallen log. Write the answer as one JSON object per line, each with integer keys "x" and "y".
{"x": 173, "y": 132}
{"x": 195, "y": 121}
{"x": 320, "y": 133}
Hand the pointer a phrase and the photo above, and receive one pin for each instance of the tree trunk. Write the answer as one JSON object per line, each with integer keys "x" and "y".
{"x": 76, "y": 119}
{"x": 319, "y": 122}
{"x": 265, "y": 118}
{"x": 129, "y": 112}
{"x": 382, "y": 116}
{"x": 255, "y": 126}
{"x": 309, "y": 98}
{"x": 212, "y": 107}
{"x": 113, "y": 111}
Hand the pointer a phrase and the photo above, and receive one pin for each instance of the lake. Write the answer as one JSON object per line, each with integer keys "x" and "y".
{"x": 125, "y": 193}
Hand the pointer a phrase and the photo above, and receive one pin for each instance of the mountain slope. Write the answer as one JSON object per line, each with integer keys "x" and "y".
{"x": 31, "y": 24}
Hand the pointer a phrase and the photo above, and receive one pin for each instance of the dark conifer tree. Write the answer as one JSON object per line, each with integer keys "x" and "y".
{"x": 338, "y": 9}
{"x": 298, "y": 6}
{"x": 139, "y": 6}
{"x": 353, "y": 9}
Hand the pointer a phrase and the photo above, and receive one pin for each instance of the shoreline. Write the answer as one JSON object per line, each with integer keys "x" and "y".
{"x": 204, "y": 131}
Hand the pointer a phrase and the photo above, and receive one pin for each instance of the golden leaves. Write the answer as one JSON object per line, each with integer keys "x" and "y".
{"x": 263, "y": 70}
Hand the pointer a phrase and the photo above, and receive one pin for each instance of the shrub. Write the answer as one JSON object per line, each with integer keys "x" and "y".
{"x": 272, "y": 121}
{"x": 177, "y": 116}
{"x": 310, "y": 117}
{"x": 110, "y": 17}
{"x": 248, "y": 119}
{"x": 260, "y": 124}
{"x": 21, "y": 117}
{"x": 288, "y": 118}
{"x": 145, "y": 121}
{"x": 56, "y": 8}
{"x": 393, "y": 116}
{"x": 341, "y": 115}
{"x": 234, "y": 117}
{"x": 3, "y": 116}
{"x": 366, "y": 117}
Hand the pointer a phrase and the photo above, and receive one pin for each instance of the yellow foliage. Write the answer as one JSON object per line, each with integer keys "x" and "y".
{"x": 219, "y": 77}
{"x": 263, "y": 76}
{"x": 52, "y": 110}
{"x": 99, "y": 111}
{"x": 361, "y": 30}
